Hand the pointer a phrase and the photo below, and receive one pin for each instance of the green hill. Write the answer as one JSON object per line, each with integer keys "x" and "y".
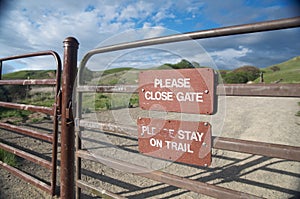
{"x": 180, "y": 65}
{"x": 286, "y": 72}
{"x": 116, "y": 70}
{"x": 31, "y": 74}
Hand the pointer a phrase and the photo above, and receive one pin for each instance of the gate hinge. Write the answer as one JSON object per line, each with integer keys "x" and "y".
{"x": 68, "y": 112}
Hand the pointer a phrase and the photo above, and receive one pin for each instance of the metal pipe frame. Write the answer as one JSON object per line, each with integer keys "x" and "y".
{"x": 26, "y": 177}
{"x": 0, "y": 70}
{"x": 231, "y": 144}
{"x": 99, "y": 192}
{"x": 218, "y": 32}
{"x": 233, "y": 90}
{"x": 35, "y": 54}
{"x": 29, "y": 82}
{"x": 54, "y": 111}
{"x": 31, "y": 133}
{"x": 26, "y": 107}
{"x": 174, "y": 180}
{"x": 251, "y": 90}
{"x": 67, "y": 120}
{"x": 27, "y": 156}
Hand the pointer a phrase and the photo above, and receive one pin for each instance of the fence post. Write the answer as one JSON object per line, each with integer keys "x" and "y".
{"x": 0, "y": 70}
{"x": 67, "y": 120}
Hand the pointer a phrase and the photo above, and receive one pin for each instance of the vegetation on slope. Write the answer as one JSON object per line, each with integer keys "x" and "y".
{"x": 242, "y": 75}
{"x": 286, "y": 72}
{"x": 31, "y": 74}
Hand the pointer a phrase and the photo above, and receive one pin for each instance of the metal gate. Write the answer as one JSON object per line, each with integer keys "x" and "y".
{"x": 70, "y": 127}
{"x": 52, "y": 138}
{"x": 230, "y": 144}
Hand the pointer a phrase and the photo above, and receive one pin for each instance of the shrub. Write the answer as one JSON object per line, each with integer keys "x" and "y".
{"x": 242, "y": 75}
{"x": 234, "y": 78}
{"x": 275, "y": 68}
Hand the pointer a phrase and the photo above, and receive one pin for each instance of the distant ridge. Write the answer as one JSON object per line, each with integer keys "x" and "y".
{"x": 30, "y": 74}
{"x": 285, "y": 72}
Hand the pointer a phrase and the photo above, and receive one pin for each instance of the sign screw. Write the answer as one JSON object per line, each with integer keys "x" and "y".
{"x": 204, "y": 144}
{"x": 205, "y": 123}
{"x": 143, "y": 90}
{"x": 206, "y": 91}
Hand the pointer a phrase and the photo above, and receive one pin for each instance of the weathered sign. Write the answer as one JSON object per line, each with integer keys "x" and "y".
{"x": 181, "y": 141}
{"x": 184, "y": 90}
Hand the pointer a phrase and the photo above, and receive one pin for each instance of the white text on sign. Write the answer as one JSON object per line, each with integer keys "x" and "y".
{"x": 183, "y": 135}
{"x": 169, "y": 95}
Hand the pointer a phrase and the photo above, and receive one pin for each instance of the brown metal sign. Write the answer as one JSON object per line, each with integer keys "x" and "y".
{"x": 184, "y": 90}
{"x": 180, "y": 141}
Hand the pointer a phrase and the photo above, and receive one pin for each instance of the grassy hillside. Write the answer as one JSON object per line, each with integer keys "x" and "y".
{"x": 32, "y": 74}
{"x": 116, "y": 70}
{"x": 118, "y": 76}
{"x": 286, "y": 72}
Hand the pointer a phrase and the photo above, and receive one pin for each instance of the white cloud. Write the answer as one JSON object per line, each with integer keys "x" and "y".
{"x": 30, "y": 26}
{"x": 162, "y": 15}
{"x": 231, "y": 57}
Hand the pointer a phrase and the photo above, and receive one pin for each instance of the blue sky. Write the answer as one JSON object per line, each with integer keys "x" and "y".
{"x": 32, "y": 25}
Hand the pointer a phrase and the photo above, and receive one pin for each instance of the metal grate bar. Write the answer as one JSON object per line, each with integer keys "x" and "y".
{"x": 177, "y": 181}
{"x": 26, "y": 177}
{"x": 100, "y": 192}
{"x": 27, "y": 156}
{"x": 262, "y": 90}
{"x": 32, "y": 133}
{"x": 28, "y": 82}
{"x": 258, "y": 148}
{"x": 218, "y": 32}
{"x": 41, "y": 109}
{"x": 251, "y": 90}
{"x": 231, "y": 144}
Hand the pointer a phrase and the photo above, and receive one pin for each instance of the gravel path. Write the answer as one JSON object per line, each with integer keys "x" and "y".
{"x": 261, "y": 119}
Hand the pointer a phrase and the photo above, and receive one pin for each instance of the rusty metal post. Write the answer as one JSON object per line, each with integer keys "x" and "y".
{"x": 0, "y": 70}
{"x": 67, "y": 120}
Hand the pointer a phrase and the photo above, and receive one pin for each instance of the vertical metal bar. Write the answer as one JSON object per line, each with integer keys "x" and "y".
{"x": 57, "y": 109}
{"x": 0, "y": 70}
{"x": 67, "y": 120}
{"x": 78, "y": 132}
{"x": 78, "y": 141}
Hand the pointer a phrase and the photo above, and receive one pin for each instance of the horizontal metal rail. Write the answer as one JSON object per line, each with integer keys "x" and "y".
{"x": 218, "y": 32}
{"x": 26, "y": 177}
{"x": 108, "y": 89}
{"x": 99, "y": 192}
{"x": 36, "y": 54}
{"x": 28, "y": 82}
{"x": 27, "y": 156}
{"x": 109, "y": 127}
{"x": 262, "y": 90}
{"x": 177, "y": 181}
{"x": 41, "y": 109}
{"x": 231, "y": 144}
{"x": 32, "y": 133}
{"x": 258, "y": 148}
